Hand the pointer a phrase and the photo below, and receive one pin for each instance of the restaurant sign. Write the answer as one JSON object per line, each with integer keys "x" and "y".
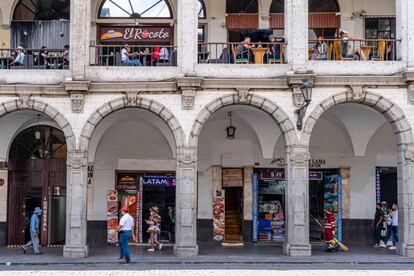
{"x": 135, "y": 34}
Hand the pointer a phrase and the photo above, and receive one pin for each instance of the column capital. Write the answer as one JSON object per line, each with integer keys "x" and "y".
{"x": 77, "y": 160}
{"x": 187, "y": 156}
{"x": 299, "y": 155}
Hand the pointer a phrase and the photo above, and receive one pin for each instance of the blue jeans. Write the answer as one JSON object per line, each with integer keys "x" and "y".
{"x": 394, "y": 235}
{"x": 378, "y": 234}
{"x": 388, "y": 235}
{"x": 135, "y": 62}
{"x": 123, "y": 245}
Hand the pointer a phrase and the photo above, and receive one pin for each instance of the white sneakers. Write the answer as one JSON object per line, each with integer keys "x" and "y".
{"x": 150, "y": 249}
{"x": 392, "y": 248}
{"x": 160, "y": 246}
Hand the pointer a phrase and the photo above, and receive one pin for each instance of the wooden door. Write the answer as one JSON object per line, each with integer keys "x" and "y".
{"x": 234, "y": 214}
{"x": 16, "y": 223}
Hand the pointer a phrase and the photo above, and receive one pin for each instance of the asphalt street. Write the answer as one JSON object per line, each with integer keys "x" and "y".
{"x": 115, "y": 269}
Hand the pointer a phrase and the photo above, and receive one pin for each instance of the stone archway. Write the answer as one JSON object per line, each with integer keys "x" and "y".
{"x": 297, "y": 225}
{"x": 131, "y": 102}
{"x": 405, "y": 153}
{"x": 185, "y": 227}
{"x": 264, "y": 104}
{"x": 44, "y": 108}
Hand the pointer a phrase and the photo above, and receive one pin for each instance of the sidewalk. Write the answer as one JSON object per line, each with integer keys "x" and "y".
{"x": 250, "y": 254}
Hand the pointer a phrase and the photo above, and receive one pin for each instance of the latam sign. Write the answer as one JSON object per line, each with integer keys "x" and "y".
{"x": 135, "y": 34}
{"x": 159, "y": 181}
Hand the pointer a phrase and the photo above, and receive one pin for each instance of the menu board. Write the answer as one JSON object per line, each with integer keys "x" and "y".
{"x": 112, "y": 219}
{"x": 218, "y": 216}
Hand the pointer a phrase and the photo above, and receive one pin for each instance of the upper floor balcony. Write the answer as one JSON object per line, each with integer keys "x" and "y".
{"x": 143, "y": 39}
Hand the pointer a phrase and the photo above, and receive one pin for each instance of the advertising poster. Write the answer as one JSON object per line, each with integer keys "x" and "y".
{"x": 218, "y": 216}
{"x": 3, "y": 194}
{"x": 138, "y": 218}
{"x": 333, "y": 199}
{"x": 112, "y": 221}
{"x": 255, "y": 206}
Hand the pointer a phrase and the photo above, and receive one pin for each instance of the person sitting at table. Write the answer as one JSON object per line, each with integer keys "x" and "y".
{"x": 320, "y": 50}
{"x": 19, "y": 59}
{"x": 41, "y": 59}
{"x": 274, "y": 49}
{"x": 242, "y": 50}
{"x": 126, "y": 56}
{"x": 348, "y": 49}
{"x": 66, "y": 55}
{"x": 145, "y": 57}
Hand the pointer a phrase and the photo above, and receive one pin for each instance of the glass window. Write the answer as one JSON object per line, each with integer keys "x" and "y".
{"x": 135, "y": 9}
{"x": 201, "y": 34}
{"x": 201, "y": 9}
{"x": 380, "y": 28}
{"x": 29, "y": 10}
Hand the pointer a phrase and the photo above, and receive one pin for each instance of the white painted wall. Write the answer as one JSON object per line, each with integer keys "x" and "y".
{"x": 131, "y": 144}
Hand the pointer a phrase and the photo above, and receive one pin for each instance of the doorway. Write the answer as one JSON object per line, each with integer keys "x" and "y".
{"x": 234, "y": 214}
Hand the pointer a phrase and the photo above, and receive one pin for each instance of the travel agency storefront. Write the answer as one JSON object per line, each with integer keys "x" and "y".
{"x": 139, "y": 191}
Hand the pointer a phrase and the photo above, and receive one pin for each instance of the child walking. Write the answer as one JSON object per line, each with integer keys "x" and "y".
{"x": 154, "y": 230}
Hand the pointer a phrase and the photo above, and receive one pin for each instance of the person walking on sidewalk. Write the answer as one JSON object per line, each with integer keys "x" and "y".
{"x": 388, "y": 220}
{"x": 377, "y": 224}
{"x": 125, "y": 230}
{"x": 34, "y": 233}
{"x": 154, "y": 229}
{"x": 394, "y": 216}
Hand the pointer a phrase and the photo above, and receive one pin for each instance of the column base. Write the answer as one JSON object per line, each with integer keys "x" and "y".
{"x": 185, "y": 251}
{"x": 406, "y": 250}
{"x": 75, "y": 251}
{"x": 297, "y": 250}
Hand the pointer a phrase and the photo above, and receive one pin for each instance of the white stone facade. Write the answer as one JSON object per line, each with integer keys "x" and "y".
{"x": 182, "y": 111}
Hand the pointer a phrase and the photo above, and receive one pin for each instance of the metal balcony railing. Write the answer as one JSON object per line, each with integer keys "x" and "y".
{"x": 354, "y": 49}
{"x": 235, "y": 53}
{"x": 33, "y": 59}
{"x": 138, "y": 55}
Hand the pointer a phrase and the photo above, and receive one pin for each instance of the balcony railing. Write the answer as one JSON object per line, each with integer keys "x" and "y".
{"x": 140, "y": 55}
{"x": 230, "y": 53}
{"x": 354, "y": 49}
{"x": 31, "y": 59}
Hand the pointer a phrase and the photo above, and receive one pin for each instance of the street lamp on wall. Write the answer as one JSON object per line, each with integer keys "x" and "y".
{"x": 306, "y": 89}
{"x": 231, "y": 130}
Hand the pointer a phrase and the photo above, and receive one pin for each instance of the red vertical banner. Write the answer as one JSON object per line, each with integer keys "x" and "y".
{"x": 138, "y": 224}
{"x": 112, "y": 220}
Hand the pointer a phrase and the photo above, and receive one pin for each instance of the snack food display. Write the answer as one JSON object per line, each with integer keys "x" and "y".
{"x": 218, "y": 218}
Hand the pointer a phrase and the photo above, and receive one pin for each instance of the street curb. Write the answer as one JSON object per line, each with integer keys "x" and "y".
{"x": 195, "y": 262}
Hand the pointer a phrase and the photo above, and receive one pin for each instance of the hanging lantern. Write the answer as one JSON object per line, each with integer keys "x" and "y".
{"x": 231, "y": 130}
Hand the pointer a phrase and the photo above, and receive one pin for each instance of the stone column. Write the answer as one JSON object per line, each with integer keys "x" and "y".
{"x": 405, "y": 245}
{"x": 296, "y": 33}
{"x": 80, "y": 25}
{"x": 297, "y": 202}
{"x": 405, "y": 28}
{"x": 186, "y": 203}
{"x": 76, "y": 205}
{"x": 187, "y": 25}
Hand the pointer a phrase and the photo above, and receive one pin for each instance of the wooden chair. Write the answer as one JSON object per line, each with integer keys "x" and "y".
{"x": 330, "y": 51}
{"x": 276, "y": 60}
{"x": 337, "y": 50}
{"x": 236, "y": 59}
{"x": 380, "y": 52}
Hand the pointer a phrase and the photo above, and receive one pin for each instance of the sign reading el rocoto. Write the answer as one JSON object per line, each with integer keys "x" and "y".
{"x": 135, "y": 34}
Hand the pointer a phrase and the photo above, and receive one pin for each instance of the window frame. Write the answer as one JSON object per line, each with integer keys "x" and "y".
{"x": 131, "y": 17}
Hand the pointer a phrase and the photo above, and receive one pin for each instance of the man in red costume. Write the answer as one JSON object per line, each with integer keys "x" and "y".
{"x": 329, "y": 225}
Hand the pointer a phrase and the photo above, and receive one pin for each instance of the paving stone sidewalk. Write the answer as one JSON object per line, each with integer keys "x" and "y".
{"x": 208, "y": 254}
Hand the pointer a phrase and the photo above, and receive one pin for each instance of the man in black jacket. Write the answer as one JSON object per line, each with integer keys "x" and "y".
{"x": 377, "y": 224}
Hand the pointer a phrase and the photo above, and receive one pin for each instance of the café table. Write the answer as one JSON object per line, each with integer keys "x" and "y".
{"x": 259, "y": 54}
{"x": 366, "y": 51}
